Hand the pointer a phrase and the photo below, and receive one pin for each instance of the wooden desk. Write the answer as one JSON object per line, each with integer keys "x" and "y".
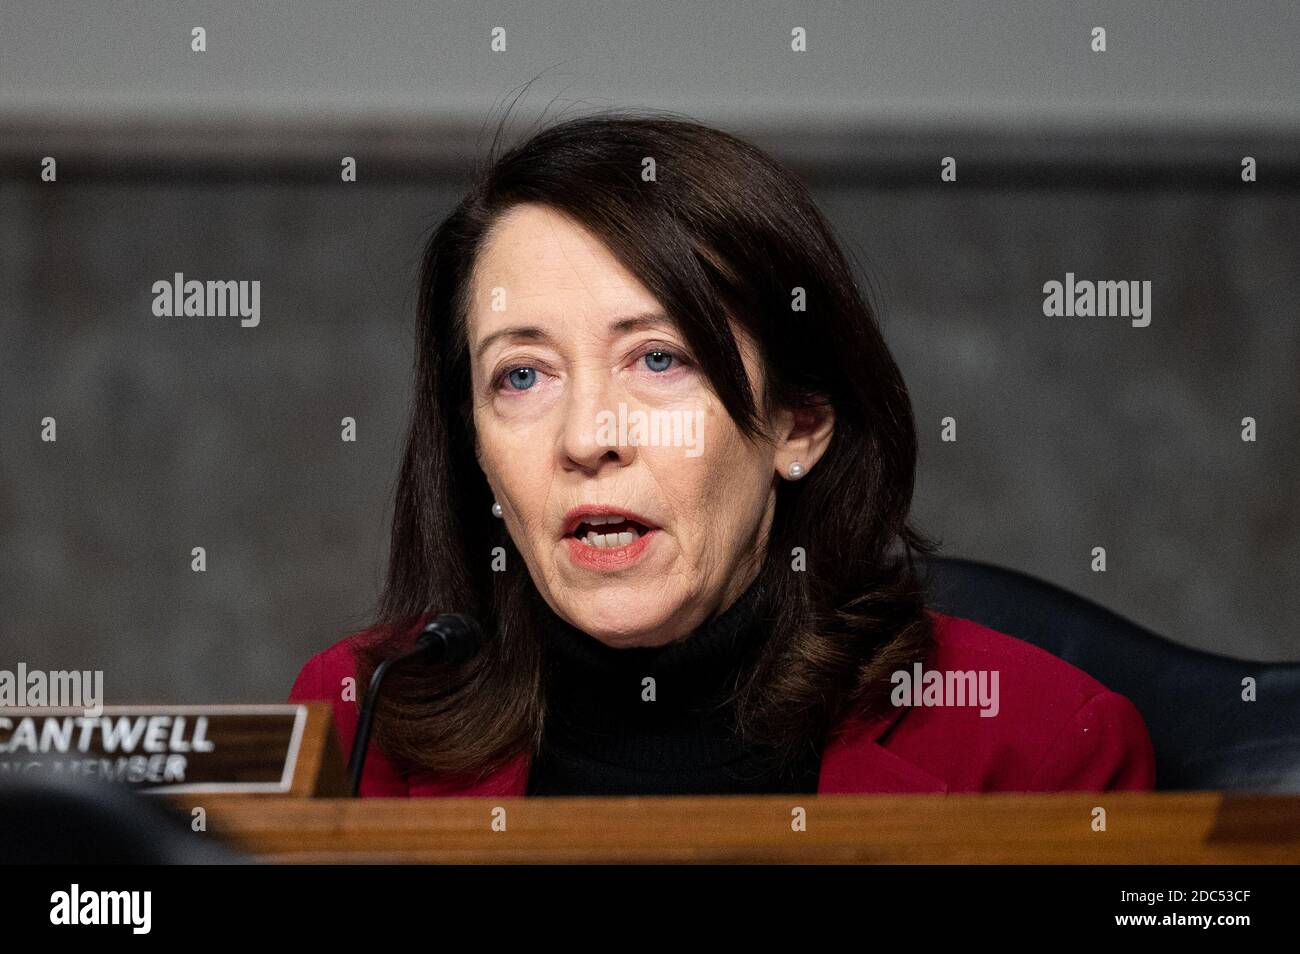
{"x": 1142, "y": 828}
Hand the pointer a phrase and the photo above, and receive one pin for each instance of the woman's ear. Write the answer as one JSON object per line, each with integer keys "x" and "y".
{"x": 803, "y": 434}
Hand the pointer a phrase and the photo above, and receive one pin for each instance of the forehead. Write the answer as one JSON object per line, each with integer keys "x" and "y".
{"x": 539, "y": 264}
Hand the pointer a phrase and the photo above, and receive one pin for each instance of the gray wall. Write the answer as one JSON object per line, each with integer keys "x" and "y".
{"x": 1196, "y": 62}
{"x": 1072, "y": 432}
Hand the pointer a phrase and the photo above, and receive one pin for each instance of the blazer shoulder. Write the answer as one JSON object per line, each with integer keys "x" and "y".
{"x": 1041, "y": 723}
{"x": 322, "y": 674}
{"x": 962, "y": 644}
{"x": 324, "y": 678}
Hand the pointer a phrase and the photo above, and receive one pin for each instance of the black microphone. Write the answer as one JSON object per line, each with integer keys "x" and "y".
{"x": 448, "y": 638}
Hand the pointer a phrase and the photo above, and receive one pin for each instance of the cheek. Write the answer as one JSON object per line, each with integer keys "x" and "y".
{"x": 736, "y": 487}
{"x": 718, "y": 496}
{"x": 516, "y": 472}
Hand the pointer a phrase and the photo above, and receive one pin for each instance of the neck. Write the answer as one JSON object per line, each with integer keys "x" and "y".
{"x": 621, "y": 701}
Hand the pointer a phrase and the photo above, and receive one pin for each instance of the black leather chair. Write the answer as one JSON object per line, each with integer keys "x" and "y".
{"x": 1205, "y": 736}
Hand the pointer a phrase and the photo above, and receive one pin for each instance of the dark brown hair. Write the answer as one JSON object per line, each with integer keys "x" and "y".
{"x": 721, "y": 232}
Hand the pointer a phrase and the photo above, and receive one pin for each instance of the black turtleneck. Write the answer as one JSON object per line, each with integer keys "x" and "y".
{"x": 602, "y": 737}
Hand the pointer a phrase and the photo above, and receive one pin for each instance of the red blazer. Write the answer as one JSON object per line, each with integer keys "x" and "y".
{"x": 1057, "y": 729}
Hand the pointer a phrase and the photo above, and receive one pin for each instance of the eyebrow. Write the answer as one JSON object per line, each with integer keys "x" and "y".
{"x": 619, "y": 326}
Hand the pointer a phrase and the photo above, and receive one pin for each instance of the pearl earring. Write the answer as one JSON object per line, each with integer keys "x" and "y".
{"x": 496, "y": 509}
{"x": 796, "y": 470}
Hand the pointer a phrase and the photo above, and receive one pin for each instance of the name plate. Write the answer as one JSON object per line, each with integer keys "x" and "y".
{"x": 235, "y": 749}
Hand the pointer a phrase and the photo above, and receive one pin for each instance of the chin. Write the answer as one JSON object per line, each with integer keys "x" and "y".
{"x": 616, "y": 626}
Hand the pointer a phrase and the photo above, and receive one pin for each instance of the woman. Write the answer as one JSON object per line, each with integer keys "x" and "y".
{"x": 660, "y": 450}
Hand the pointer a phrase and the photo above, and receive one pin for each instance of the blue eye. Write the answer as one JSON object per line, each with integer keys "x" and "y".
{"x": 663, "y": 356}
{"x": 521, "y": 379}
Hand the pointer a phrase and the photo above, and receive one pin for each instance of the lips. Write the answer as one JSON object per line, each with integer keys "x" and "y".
{"x": 604, "y": 519}
{"x": 608, "y": 539}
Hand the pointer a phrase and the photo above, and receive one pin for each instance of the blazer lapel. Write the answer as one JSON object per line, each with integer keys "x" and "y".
{"x": 854, "y": 762}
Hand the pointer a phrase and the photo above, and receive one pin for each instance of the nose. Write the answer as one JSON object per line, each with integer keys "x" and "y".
{"x": 594, "y": 431}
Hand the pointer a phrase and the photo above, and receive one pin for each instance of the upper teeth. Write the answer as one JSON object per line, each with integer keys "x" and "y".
{"x": 594, "y": 539}
{"x": 605, "y": 540}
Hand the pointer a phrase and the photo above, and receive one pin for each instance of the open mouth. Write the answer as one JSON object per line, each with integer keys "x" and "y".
{"x": 609, "y": 532}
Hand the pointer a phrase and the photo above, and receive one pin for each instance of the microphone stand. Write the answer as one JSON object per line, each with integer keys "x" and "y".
{"x": 449, "y": 638}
